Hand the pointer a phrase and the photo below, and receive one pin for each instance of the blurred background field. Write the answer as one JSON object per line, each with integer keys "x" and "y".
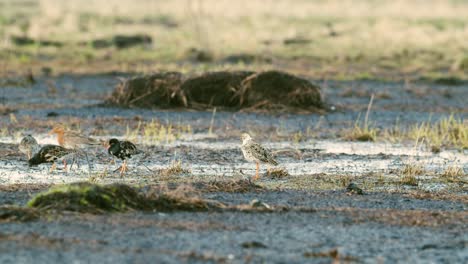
{"x": 320, "y": 39}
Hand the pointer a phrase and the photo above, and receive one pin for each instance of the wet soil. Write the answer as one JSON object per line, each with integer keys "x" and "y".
{"x": 392, "y": 222}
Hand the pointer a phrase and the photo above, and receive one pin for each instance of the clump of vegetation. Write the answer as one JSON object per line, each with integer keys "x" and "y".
{"x": 17, "y": 214}
{"x": 156, "y": 132}
{"x": 175, "y": 168}
{"x": 461, "y": 64}
{"x": 353, "y": 188}
{"x": 409, "y": 173}
{"x": 449, "y": 131}
{"x": 233, "y": 186}
{"x": 453, "y": 173}
{"x": 446, "y": 132}
{"x": 92, "y": 198}
{"x": 278, "y": 173}
{"x": 183, "y": 198}
{"x": 364, "y": 131}
{"x": 275, "y": 90}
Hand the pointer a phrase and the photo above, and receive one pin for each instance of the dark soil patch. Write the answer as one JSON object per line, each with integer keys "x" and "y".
{"x": 197, "y": 55}
{"x": 23, "y": 41}
{"x": 231, "y": 90}
{"x": 245, "y": 58}
{"x": 122, "y": 41}
{"x": 296, "y": 41}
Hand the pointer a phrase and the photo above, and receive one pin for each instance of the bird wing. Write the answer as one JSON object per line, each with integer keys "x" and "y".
{"x": 75, "y": 138}
{"x": 262, "y": 154}
{"x": 53, "y": 152}
{"x": 129, "y": 148}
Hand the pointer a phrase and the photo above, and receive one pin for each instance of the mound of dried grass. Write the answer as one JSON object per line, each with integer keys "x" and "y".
{"x": 214, "y": 89}
{"x": 275, "y": 89}
{"x": 234, "y": 90}
{"x": 160, "y": 89}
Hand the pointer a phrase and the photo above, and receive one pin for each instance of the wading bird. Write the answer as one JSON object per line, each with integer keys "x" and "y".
{"x": 122, "y": 150}
{"x": 254, "y": 152}
{"x": 28, "y": 146}
{"x": 73, "y": 140}
{"x": 50, "y": 154}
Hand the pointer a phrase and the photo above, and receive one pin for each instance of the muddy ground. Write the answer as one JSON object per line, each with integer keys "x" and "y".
{"x": 394, "y": 221}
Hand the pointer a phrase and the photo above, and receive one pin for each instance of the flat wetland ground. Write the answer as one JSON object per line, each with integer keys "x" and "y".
{"x": 408, "y": 153}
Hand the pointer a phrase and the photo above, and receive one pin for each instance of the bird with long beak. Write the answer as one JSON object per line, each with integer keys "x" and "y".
{"x": 254, "y": 152}
{"x": 73, "y": 140}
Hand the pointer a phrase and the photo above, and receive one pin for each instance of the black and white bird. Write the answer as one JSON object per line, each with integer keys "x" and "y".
{"x": 254, "y": 152}
{"x": 28, "y": 146}
{"x": 50, "y": 154}
{"x": 123, "y": 150}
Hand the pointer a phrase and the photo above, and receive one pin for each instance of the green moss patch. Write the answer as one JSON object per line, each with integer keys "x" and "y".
{"x": 92, "y": 198}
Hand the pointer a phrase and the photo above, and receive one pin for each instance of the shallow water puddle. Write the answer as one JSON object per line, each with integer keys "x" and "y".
{"x": 225, "y": 160}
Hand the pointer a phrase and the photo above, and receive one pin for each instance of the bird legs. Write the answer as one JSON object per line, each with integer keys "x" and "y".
{"x": 256, "y": 177}
{"x": 122, "y": 168}
{"x": 53, "y": 167}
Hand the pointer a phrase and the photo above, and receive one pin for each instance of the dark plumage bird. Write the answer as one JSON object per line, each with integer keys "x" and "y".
{"x": 123, "y": 150}
{"x": 49, "y": 154}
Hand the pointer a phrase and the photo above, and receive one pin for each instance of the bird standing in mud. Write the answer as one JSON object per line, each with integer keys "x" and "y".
{"x": 73, "y": 140}
{"x": 50, "y": 154}
{"x": 122, "y": 150}
{"x": 254, "y": 152}
{"x": 28, "y": 146}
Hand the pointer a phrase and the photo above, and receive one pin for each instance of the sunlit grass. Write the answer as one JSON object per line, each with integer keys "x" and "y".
{"x": 155, "y": 132}
{"x": 401, "y": 35}
{"x": 447, "y": 132}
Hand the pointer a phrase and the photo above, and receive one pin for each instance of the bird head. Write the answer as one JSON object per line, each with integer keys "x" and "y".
{"x": 245, "y": 137}
{"x": 112, "y": 142}
{"x": 57, "y": 129}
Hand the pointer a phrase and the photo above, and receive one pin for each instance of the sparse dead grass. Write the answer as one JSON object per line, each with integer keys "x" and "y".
{"x": 175, "y": 168}
{"x": 453, "y": 174}
{"x": 364, "y": 131}
{"x": 409, "y": 172}
{"x": 156, "y": 132}
{"x": 17, "y": 214}
{"x": 278, "y": 173}
{"x": 446, "y": 132}
{"x": 232, "y": 186}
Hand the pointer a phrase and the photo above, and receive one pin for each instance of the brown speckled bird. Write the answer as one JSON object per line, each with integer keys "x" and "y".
{"x": 50, "y": 154}
{"x": 254, "y": 152}
{"x": 28, "y": 146}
